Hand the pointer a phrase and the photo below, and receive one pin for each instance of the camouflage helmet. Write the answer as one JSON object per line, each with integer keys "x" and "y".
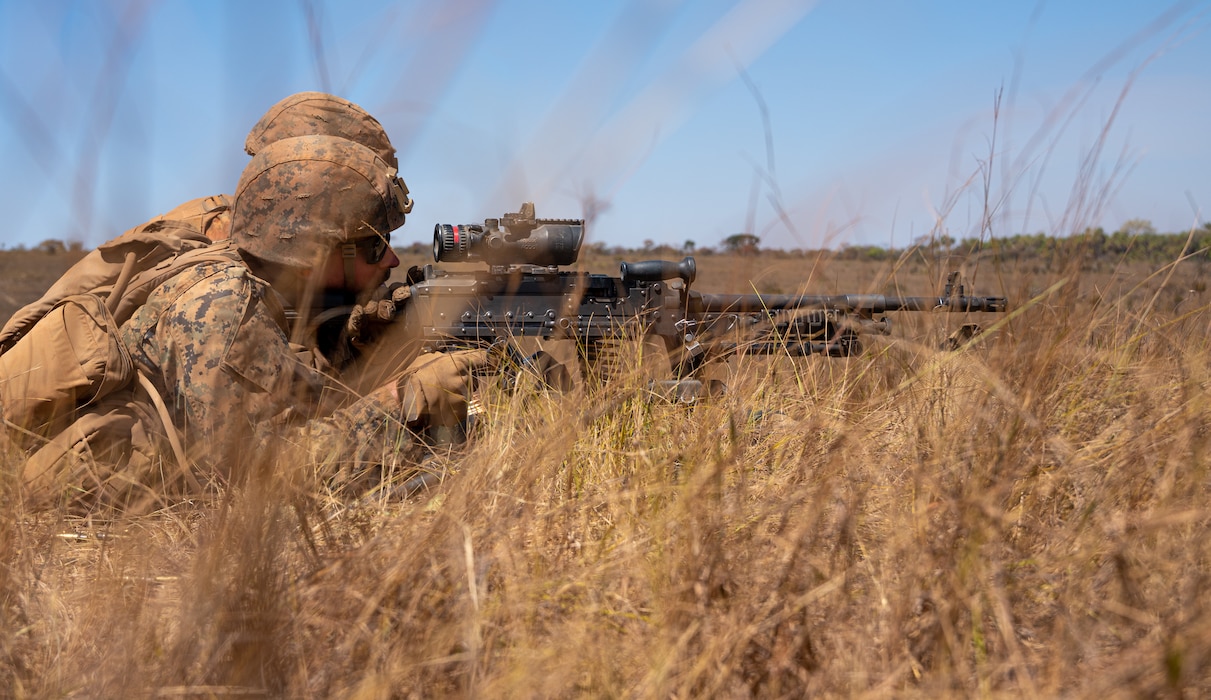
{"x": 319, "y": 114}
{"x": 300, "y": 197}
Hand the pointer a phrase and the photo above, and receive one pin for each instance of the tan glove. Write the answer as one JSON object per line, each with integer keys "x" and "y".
{"x": 367, "y": 321}
{"x": 436, "y": 387}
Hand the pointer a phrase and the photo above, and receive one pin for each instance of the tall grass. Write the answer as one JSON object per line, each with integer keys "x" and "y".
{"x": 1026, "y": 516}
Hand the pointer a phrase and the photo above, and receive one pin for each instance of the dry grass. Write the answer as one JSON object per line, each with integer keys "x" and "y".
{"x": 1028, "y": 516}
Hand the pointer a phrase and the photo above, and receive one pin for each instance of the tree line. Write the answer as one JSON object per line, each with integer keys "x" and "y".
{"x": 1137, "y": 240}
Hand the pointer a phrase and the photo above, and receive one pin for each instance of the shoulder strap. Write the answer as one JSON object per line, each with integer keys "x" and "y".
{"x": 145, "y": 281}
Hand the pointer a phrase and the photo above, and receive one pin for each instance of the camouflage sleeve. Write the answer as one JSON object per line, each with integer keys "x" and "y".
{"x": 229, "y": 371}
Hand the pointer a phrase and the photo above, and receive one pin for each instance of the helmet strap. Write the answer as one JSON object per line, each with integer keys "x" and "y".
{"x": 349, "y": 253}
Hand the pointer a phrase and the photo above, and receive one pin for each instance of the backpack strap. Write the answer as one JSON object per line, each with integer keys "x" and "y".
{"x": 128, "y": 269}
{"x": 170, "y": 429}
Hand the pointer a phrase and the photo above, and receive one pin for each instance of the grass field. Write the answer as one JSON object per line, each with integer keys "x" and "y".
{"x": 1026, "y": 516}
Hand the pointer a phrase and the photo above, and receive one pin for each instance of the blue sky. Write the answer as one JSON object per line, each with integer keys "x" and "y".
{"x": 883, "y": 118}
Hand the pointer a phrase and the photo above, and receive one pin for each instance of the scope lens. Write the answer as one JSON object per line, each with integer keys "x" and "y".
{"x": 437, "y": 243}
{"x": 449, "y": 243}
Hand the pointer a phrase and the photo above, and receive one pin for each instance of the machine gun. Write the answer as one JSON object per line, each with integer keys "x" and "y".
{"x": 525, "y": 293}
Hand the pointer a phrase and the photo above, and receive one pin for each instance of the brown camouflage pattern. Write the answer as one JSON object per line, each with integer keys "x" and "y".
{"x": 301, "y": 197}
{"x": 318, "y": 113}
{"x": 214, "y": 339}
{"x": 215, "y": 342}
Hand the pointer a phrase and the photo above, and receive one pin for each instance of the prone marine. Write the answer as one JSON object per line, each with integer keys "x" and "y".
{"x": 219, "y": 359}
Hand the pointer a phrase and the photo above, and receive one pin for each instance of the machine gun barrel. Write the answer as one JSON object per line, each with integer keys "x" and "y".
{"x": 857, "y": 303}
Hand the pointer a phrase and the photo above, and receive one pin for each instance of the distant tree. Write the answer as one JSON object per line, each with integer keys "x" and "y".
{"x": 741, "y": 244}
{"x": 1095, "y": 236}
{"x": 1137, "y": 227}
{"x": 1203, "y": 239}
{"x": 688, "y": 246}
{"x": 52, "y": 246}
{"x": 648, "y": 244}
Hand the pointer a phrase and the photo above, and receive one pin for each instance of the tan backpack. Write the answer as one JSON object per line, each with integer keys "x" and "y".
{"x": 71, "y": 357}
{"x": 192, "y": 225}
{"x": 63, "y": 352}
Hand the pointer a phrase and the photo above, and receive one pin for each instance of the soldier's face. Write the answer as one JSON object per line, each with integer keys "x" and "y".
{"x": 366, "y": 275}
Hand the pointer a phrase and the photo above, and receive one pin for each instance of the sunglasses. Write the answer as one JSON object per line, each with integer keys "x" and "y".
{"x": 374, "y": 247}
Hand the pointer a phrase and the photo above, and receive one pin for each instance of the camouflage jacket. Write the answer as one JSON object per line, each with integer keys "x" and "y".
{"x": 211, "y": 346}
{"x": 214, "y": 340}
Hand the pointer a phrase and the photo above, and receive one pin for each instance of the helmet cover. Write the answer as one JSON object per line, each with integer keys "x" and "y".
{"x": 299, "y": 198}
{"x": 318, "y": 113}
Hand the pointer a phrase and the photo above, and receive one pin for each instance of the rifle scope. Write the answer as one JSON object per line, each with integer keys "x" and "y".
{"x": 514, "y": 239}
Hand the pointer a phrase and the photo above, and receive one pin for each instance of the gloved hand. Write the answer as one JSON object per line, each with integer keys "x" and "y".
{"x": 367, "y": 321}
{"x": 436, "y": 387}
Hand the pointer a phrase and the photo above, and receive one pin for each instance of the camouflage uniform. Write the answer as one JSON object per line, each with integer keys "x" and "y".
{"x": 215, "y": 341}
{"x": 219, "y": 375}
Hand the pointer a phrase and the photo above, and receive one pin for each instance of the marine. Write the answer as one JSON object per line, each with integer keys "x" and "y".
{"x": 223, "y": 363}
